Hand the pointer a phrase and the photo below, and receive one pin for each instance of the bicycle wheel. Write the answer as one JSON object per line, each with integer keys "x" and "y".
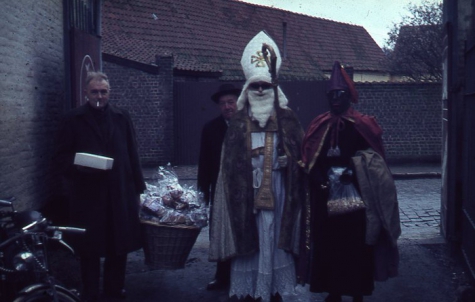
{"x": 43, "y": 294}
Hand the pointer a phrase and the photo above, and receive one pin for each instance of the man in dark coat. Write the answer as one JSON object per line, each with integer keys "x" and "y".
{"x": 342, "y": 263}
{"x": 104, "y": 202}
{"x": 212, "y": 137}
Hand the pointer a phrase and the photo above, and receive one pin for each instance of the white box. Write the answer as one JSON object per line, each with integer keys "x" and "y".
{"x": 93, "y": 161}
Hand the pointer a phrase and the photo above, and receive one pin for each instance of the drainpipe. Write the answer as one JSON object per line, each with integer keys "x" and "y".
{"x": 98, "y": 26}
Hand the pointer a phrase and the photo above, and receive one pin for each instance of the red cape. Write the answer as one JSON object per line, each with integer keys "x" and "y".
{"x": 319, "y": 128}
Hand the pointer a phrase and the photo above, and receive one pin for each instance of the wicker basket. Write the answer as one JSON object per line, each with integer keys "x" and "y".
{"x": 168, "y": 247}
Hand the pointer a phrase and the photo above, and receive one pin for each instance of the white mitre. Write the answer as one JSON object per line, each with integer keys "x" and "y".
{"x": 255, "y": 67}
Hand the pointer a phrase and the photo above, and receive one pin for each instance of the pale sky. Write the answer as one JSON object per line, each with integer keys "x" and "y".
{"x": 376, "y": 16}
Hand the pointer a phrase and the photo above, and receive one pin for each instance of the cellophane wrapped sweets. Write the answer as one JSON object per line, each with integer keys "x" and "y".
{"x": 168, "y": 202}
{"x": 344, "y": 197}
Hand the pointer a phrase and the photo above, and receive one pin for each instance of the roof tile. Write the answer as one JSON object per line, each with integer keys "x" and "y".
{"x": 210, "y": 35}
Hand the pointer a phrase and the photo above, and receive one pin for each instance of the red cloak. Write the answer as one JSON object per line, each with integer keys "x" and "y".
{"x": 320, "y": 127}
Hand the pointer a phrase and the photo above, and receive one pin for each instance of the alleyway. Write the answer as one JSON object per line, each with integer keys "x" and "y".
{"x": 427, "y": 271}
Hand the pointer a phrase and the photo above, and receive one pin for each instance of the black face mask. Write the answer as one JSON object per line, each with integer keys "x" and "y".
{"x": 339, "y": 101}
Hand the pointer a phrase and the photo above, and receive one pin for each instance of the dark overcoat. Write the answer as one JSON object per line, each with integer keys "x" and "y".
{"x": 106, "y": 202}
{"x": 212, "y": 137}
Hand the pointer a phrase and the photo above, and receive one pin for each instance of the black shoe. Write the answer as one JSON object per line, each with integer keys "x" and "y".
{"x": 276, "y": 298}
{"x": 357, "y": 298}
{"x": 250, "y": 299}
{"x": 91, "y": 298}
{"x": 217, "y": 285}
{"x": 333, "y": 298}
{"x": 117, "y": 295}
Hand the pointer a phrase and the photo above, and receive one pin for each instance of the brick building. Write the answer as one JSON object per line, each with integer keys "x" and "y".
{"x": 147, "y": 93}
{"x": 33, "y": 89}
{"x": 208, "y": 36}
{"x": 157, "y": 82}
{"x": 207, "y": 51}
{"x": 410, "y": 115}
{"x": 40, "y": 49}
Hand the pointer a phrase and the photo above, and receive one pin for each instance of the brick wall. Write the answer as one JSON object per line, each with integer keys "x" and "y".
{"x": 148, "y": 96}
{"x": 410, "y": 115}
{"x": 32, "y": 88}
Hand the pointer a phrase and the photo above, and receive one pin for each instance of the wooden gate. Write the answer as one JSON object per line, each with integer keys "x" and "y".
{"x": 468, "y": 205}
{"x": 449, "y": 145}
{"x": 458, "y": 160}
{"x": 193, "y": 107}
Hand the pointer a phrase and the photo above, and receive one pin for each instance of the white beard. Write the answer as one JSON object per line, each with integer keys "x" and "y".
{"x": 261, "y": 106}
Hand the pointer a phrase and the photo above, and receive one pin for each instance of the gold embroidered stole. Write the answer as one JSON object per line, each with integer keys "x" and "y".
{"x": 264, "y": 198}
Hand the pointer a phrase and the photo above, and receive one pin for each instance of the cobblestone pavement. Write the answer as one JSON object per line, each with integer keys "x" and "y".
{"x": 419, "y": 208}
{"x": 426, "y": 272}
{"x": 418, "y": 187}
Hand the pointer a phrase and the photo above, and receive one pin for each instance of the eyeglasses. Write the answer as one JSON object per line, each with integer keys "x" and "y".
{"x": 337, "y": 93}
{"x": 96, "y": 92}
{"x": 256, "y": 86}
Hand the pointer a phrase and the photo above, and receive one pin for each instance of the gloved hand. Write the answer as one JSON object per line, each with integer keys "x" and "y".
{"x": 283, "y": 161}
{"x": 88, "y": 170}
{"x": 346, "y": 177}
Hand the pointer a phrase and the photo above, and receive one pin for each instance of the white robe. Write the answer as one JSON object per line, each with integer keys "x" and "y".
{"x": 270, "y": 270}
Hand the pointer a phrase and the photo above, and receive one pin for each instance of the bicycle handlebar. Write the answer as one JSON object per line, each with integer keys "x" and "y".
{"x": 49, "y": 228}
{"x": 66, "y": 229}
{"x": 6, "y": 203}
{"x": 9, "y": 240}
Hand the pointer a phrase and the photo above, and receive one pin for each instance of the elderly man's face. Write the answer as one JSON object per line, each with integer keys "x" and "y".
{"x": 227, "y": 105}
{"x": 97, "y": 93}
